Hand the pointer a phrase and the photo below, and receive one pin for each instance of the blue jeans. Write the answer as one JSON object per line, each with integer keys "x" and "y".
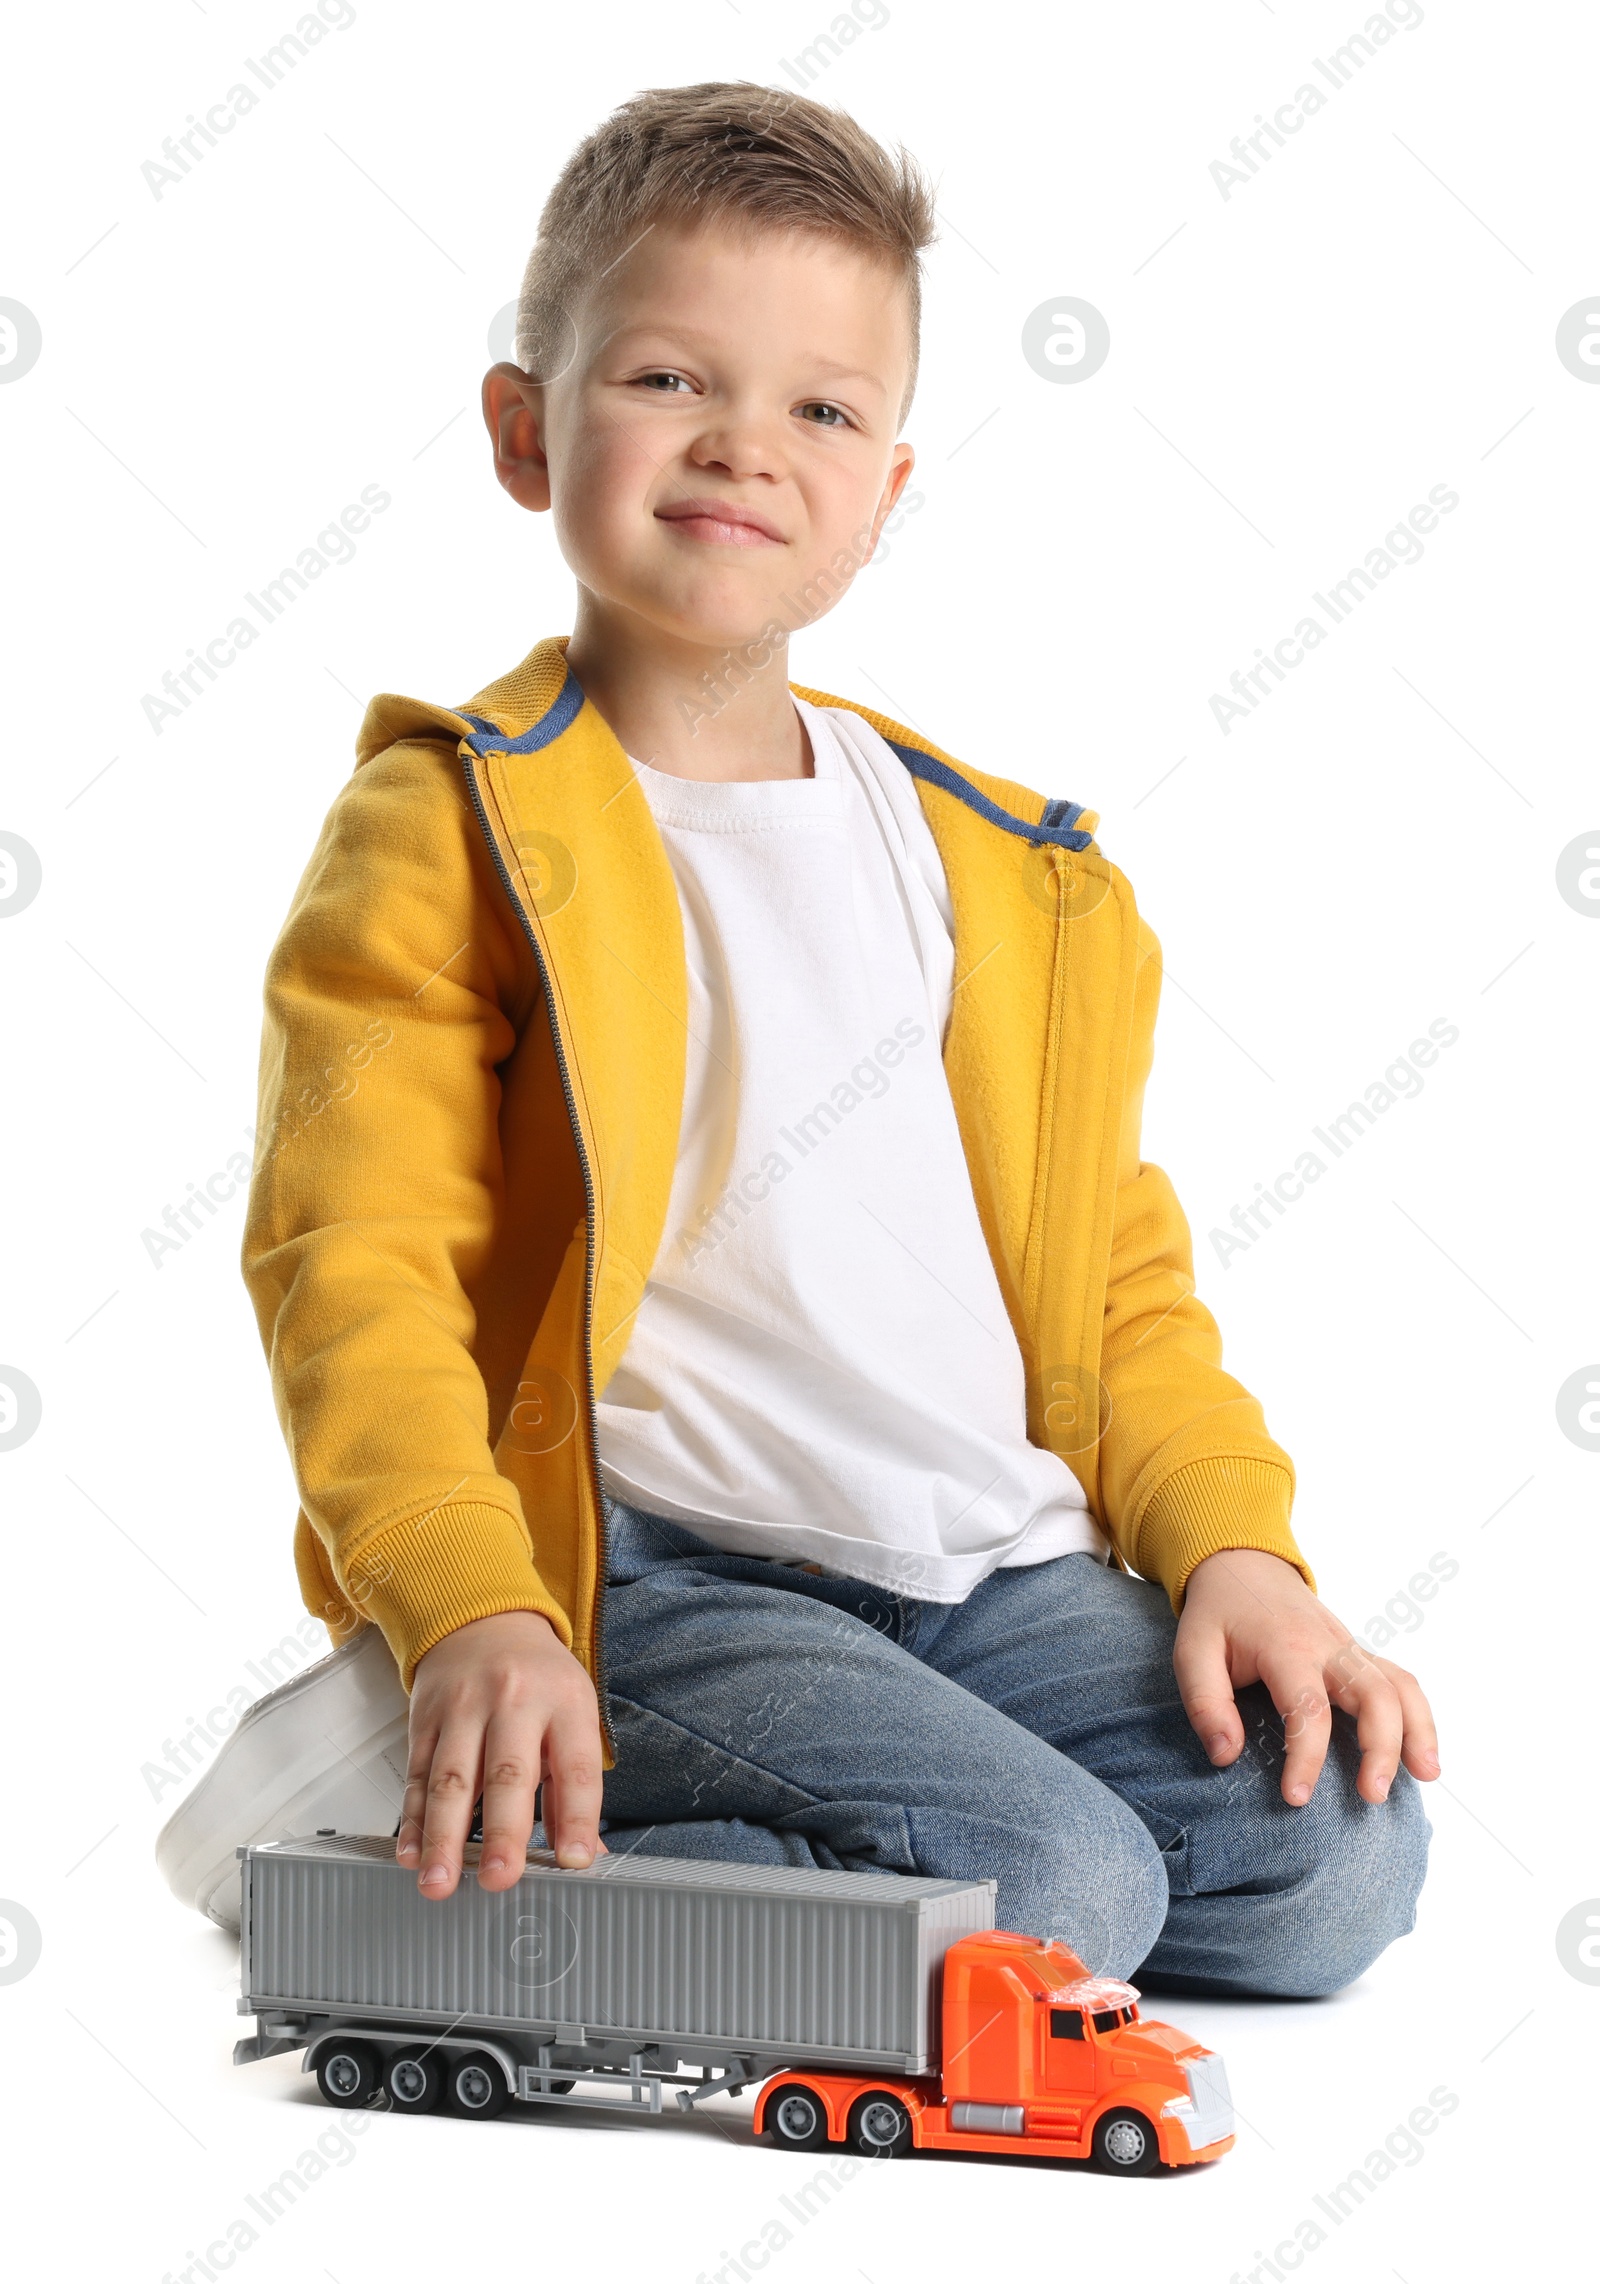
{"x": 1032, "y": 1734}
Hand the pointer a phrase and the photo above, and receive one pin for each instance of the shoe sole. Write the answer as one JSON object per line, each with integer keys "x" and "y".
{"x": 326, "y": 1751}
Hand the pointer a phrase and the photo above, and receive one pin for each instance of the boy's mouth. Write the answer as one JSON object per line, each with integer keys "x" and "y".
{"x": 720, "y": 521}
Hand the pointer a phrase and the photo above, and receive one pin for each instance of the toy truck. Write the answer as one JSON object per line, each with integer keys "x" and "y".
{"x": 888, "y": 2013}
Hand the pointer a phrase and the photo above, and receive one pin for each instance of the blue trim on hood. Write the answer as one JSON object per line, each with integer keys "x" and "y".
{"x": 1055, "y": 829}
{"x": 545, "y": 731}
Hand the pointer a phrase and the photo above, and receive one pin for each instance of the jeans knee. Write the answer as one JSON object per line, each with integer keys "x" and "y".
{"x": 1101, "y": 1891}
{"x": 1357, "y": 1892}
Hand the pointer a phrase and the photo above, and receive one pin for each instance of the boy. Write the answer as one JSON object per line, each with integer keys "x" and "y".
{"x": 741, "y": 1377}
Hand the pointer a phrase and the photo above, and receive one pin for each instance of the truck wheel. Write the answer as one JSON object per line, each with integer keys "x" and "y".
{"x": 796, "y": 2118}
{"x": 475, "y": 2086}
{"x": 414, "y": 2080}
{"x": 879, "y": 2127}
{"x": 1125, "y": 2142}
{"x": 347, "y": 2074}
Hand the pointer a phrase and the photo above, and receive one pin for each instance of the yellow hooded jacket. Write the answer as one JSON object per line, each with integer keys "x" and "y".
{"x": 471, "y": 1081}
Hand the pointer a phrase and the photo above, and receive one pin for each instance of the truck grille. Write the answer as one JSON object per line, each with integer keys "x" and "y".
{"x": 1213, "y": 2104}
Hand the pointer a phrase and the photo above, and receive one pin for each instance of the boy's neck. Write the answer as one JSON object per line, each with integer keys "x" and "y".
{"x": 653, "y": 691}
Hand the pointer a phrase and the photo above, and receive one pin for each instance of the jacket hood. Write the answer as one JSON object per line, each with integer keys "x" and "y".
{"x": 540, "y": 699}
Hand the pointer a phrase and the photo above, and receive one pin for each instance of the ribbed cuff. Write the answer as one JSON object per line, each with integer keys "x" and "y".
{"x": 1209, "y": 1506}
{"x": 421, "y": 1579}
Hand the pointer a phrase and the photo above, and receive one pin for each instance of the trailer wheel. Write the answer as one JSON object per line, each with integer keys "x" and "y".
{"x": 1125, "y": 2142}
{"x": 879, "y": 2126}
{"x": 347, "y": 2074}
{"x": 475, "y": 2086}
{"x": 796, "y": 2118}
{"x": 414, "y": 2080}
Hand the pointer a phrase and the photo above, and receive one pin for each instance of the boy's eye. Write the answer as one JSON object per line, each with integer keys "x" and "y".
{"x": 671, "y": 381}
{"x": 836, "y": 418}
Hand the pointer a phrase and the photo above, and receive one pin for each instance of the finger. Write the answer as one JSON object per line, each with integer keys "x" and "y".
{"x": 452, "y": 1787}
{"x": 1380, "y": 1725}
{"x": 573, "y": 1787}
{"x": 424, "y": 1736}
{"x": 510, "y": 1779}
{"x": 1421, "y": 1748}
{"x": 1200, "y": 1664}
{"x": 1296, "y": 1688}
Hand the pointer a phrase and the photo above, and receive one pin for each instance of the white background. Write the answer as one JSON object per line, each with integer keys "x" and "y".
{"x": 1292, "y": 368}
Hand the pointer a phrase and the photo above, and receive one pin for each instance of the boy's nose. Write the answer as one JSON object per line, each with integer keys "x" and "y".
{"x": 742, "y": 442}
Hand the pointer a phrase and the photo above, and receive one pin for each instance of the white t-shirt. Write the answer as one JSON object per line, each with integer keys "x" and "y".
{"x": 822, "y": 1368}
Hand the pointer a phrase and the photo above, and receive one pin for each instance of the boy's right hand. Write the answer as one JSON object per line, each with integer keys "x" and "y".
{"x": 499, "y": 1707}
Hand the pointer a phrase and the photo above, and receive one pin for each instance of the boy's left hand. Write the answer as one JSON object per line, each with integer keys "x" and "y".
{"x": 1248, "y": 1616}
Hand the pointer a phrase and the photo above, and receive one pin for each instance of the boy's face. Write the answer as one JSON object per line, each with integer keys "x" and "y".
{"x": 712, "y": 372}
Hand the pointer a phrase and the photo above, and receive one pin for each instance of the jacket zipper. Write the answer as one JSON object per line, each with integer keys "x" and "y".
{"x": 597, "y": 1631}
{"x": 1033, "y": 1250}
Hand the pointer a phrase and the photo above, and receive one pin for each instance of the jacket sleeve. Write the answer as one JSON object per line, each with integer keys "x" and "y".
{"x": 396, "y": 987}
{"x": 1187, "y": 1468}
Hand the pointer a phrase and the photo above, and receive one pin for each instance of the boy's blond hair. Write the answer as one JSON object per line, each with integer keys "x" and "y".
{"x": 756, "y": 158}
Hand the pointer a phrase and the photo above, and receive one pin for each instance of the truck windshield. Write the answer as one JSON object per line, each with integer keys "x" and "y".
{"x": 1068, "y": 2021}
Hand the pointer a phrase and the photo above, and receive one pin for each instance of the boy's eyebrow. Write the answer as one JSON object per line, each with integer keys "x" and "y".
{"x": 849, "y": 373}
{"x": 692, "y": 333}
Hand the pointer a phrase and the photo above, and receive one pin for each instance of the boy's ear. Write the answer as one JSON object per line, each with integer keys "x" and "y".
{"x": 894, "y": 484}
{"x": 513, "y": 413}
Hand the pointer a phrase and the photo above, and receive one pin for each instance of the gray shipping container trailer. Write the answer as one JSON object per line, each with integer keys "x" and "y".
{"x": 615, "y": 1977}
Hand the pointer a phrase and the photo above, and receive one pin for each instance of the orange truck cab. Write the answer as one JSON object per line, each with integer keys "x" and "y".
{"x": 1038, "y": 2057}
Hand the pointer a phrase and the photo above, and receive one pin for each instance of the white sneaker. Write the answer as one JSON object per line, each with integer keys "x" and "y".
{"x": 325, "y": 1752}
